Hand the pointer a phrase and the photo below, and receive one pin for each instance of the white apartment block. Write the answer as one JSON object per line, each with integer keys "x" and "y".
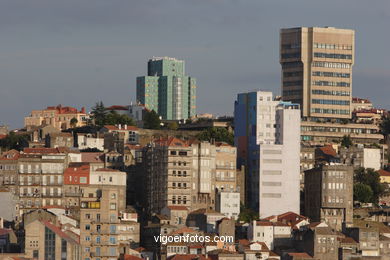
{"x": 268, "y": 140}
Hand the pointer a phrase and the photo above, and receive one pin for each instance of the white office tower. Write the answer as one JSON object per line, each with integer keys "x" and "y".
{"x": 267, "y": 136}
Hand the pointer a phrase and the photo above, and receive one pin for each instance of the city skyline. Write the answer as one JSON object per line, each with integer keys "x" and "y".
{"x": 78, "y": 61}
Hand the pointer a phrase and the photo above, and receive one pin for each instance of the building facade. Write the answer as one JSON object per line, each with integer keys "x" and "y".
{"x": 329, "y": 195}
{"x": 167, "y": 90}
{"x": 317, "y": 70}
{"x": 267, "y": 138}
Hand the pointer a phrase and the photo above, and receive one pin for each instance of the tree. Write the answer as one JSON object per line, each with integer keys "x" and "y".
{"x": 113, "y": 118}
{"x": 218, "y": 134}
{"x": 173, "y": 126}
{"x": 385, "y": 127}
{"x": 73, "y": 122}
{"x": 15, "y": 141}
{"x": 370, "y": 178}
{"x": 346, "y": 141}
{"x": 99, "y": 114}
{"x": 152, "y": 120}
{"x": 247, "y": 215}
{"x": 362, "y": 192}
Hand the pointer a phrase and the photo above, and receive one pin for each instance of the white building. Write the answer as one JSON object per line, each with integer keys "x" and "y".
{"x": 228, "y": 203}
{"x": 86, "y": 141}
{"x": 267, "y": 136}
{"x": 107, "y": 177}
{"x": 268, "y": 232}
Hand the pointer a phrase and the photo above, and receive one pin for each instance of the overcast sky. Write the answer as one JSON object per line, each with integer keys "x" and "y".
{"x": 77, "y": 52}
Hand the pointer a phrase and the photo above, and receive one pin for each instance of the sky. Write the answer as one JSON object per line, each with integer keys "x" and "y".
{"x": 78, "y": 52}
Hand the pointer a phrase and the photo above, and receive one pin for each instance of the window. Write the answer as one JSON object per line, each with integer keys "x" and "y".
{"x": 87, "y": 227}
{"x": 113, "y": 196}
{"x": 98, "y": 239}
{"x": 112, "y": 205}
{"x": 112, "y": 240}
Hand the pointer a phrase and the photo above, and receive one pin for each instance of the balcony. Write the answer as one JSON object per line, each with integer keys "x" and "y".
{"x": 73, "y": 194}
{"x": 52, "y": 195}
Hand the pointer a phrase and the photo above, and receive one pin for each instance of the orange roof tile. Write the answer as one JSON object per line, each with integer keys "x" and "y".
{"x": 178, "y": 208}
{"x": 92, "y": 157}
{"x": 328, "y": 150}
{"x": 132, "y": 257}
{"x": 384, "y": 173}
{"x": 58, "y": 231}
{"x": 123, "y": 128}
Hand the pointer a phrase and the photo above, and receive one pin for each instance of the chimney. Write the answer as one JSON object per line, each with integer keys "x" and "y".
{"x": 125, "y": 126}
{"x": 119, "y": 126}
{"x": 83, "y": 110}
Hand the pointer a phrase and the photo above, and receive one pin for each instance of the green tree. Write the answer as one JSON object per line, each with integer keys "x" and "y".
{"x": 152, "y": 120}
{"x": 385, "y": 127}
{"x": 99, "y": 114}
{"x": 370, "y": 178}
{"x": 173, "y": 126}
{"x": 218, "y": 134}
{"x": 73, "y": 122}
{"x": 247, "y": 215}
{"x": 362, "y": 192}
{"x": 15, "y": 141}
{"x": 346, "y": 141}
{"x": 113, "y": 118}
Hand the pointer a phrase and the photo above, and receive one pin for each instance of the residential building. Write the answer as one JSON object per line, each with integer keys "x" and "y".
{"x": 9, "y": 170}
{"x": 317, "y": 70}
{"x": 100, "y": 208}
{"x": 317, "y": 240}
{"x": 267, "y": 137}
{"x": 167, "y": 90}
{"x": 45, "y": 238}
{"x": 320, "y": 133}
{"x": 225, "y": 164}
{"x": 90, "y": 141}
{"x": 270, "y": 233}
{"x": 59, "y": 117}
{"x": 361, "y": 104}
{"x": 61, "y": 139}
{"x": 176, "y": 214}
{"x": 359, "y": 156}
{"x": 41, "y": 178}
{"x": 329, "y": 195}
{"x": 307, "y": 161}
{"x": 205, "y": 219}
{"x": 228, "y": 203}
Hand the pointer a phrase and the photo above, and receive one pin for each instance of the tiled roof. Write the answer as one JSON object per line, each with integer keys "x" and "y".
{"x": 123, "y": 128}
{"x": 58, "y": 231}
{"x": 106, "y": 170}
{"x": 183, "y": 230}
{"x": 178, "y": 208}
{"x": 3, "y": 136}
{"x": 4, "y": 231}
{"x": 384, "y": 173}
{"x": 10, "y": 155}
{"x": 92, "y": 157}
{"x": 171, "y": 141}
{"x": 116, "y": 107}
{"x": 187, "y": 257}
{"x": 42, "y": 150}
{"x": 328, "y": 150}
{"x": 347, "y": 240}
{"x": 301, "y": 255}
{"x": 131, "y": 257}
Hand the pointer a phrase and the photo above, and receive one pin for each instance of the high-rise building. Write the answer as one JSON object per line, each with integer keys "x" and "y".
{"x": 267, "y": 135}
{"x": 167, "y": 90}
{"x": 329, "y": 195}
{"x": 317, "y": 70}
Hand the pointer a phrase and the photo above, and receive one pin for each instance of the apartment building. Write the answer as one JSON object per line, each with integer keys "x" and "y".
{"x": 329, "y": 195}
{"x": 267, "y": 140}
{"x": 167, "y": 165}
{"x": 167, "y": 90}
{"x": 40, "y": 173}
{"x": 9, "y": 170}
{"x": 317, "y": 70}
{"x": 359, "y": 156}
{"x": 59, "y": 117}
{"x": 225, "y": 167}
{"x": 45, "y": 238}
{"x": 101, "y": 204}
